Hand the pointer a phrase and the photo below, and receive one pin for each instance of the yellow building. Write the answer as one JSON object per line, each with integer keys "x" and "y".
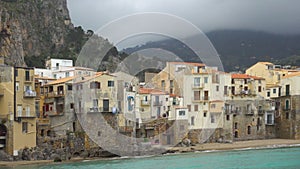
{"x": 272, "y": 73}
{"x": 17, "y": 102}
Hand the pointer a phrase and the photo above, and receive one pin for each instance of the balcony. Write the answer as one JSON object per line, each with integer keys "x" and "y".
{"x": 200, "y": 99}
{"x": 235, "y": 112}
{"x": 26, "y": 114}
{"x": 55, "y": 94}
{"x": 29, "y": 94}
{"x": 249, "y": 112}
{"x": 99, "y": 109}
{"x": 145, "y": 102}
{"x": 28, "y": 79}
{"x": 157, "y": 103}
{"x": 198, "y": 86}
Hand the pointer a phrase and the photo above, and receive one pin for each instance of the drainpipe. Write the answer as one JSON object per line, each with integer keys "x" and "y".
{"x": 15, "y": 96}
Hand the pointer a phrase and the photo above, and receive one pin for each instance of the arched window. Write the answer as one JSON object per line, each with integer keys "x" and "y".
{"x": 236, "y": 134}
{"x": 249, "y": 130}
{"x": 287, "y": 104}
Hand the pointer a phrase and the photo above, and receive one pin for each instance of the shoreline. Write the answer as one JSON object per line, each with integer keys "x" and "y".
{"x": 238, "y": 145}
{"x": 251, "y": 144}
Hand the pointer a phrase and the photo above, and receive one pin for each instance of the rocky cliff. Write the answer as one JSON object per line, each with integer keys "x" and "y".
{"x": 32, "y": 28}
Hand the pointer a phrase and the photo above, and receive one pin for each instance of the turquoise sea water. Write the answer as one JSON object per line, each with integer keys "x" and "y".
{"x": 285, "y": 158}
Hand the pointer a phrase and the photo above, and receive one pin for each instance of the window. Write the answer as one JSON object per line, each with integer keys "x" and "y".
{"x": 95, "y": 85}
{"x": 19, "y": 110}
{"x": 268, "y": 94}
{"x": 259, "y": 81}
{"x": 249, "y": 130}
{"x": 217, "y": 88}
{"x": 71, "y": 105}
{"x": 163, "y": 83}
{"x": 27, "y": 111}
{"x": 205, "y": 79}
{"x": 17, "y": 86}
{"x": 213, "y": 106}
{"x": 130, "y": 105}
{"x": 192, "y": 120}
{"x": 259, "y": 88}
{"x": 55, "y": 76}
{"x": 287, "y": 104}
{"x": 95, "y": 102}
{"x": 225, "y": 90}
{"x": 189, "y": 108}
{"x": 227, "y": 117}
{"x": 205, "y": 114}
{"x": 195, "y": 107}
{"x": 270, "y": 119}
{"x": 287, "y": 115}
{"x": 25, "y": 127}
{"x": 196, "y": 95}
{"x": 287, "y": 90}
{"x": 197, "y": 81}
{"x": 67, "y": 74}
{"x": 27, "y": 88}
{"x": 181, "y": 113}
{"x": 70, "y": 87}
{"x": 235, "y": 125}
{"x": 171, "y": 83}
{"x": 274, "y": 91}
{"x": 212, "y": 118}
{"x": 110, "y": 83}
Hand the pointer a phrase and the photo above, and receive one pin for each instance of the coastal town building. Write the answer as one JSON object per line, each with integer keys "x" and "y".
{"x": 18, "y": 118}
{"x": 288, "y": 105}
{"x": 271, "y": 72}
{"x": 247, "y": 110}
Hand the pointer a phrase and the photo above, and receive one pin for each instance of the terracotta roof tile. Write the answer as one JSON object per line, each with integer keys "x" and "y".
{"x": 151, "y": 91}
{"x": 62, "y": 80}
{"x": 245, "y": 76}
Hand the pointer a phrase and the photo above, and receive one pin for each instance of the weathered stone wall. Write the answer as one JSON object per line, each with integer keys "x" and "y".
{"x": 289, "y": 119}
{"x": 205, "y": 136}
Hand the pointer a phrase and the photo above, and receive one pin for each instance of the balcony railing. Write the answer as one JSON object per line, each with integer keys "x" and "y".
{"x": 157, "y": 103}
{"x": 99, "y": 109}
{"x": 198, "y": 86}
{"x": 55, "y": 94}
{"x": 200, "y": 99}
{"x": 30, "y": 94}
{"x": 26, "y": 114}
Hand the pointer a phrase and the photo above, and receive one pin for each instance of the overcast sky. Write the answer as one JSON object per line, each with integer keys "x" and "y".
{"x": 277, "y": 16}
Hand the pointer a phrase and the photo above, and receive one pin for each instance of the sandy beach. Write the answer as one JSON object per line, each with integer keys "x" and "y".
{"x": 238, "y": 145}
{"x": 272, "y": 143}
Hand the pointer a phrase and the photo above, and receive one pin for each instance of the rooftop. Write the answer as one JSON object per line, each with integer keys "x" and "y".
{"x": 59, "y": 81}
{"x": 151, "y": 91}
{"x": 245, "y": 76}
